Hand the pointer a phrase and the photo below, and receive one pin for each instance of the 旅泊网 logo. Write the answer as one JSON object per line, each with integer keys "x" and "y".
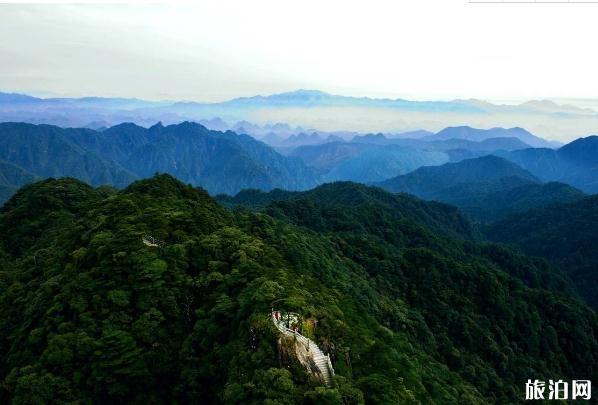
{"x": 558, "y": 389}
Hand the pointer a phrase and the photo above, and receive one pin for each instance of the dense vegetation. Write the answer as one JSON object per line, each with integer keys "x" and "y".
{"x": 409, "y": 306}
{"x": 565, "y": 234}
{"x": 217, "y": 161}
{"x": 487, "y": 188}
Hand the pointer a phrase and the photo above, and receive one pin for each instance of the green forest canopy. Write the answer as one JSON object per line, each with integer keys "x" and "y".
{"x": 408, "y": 305}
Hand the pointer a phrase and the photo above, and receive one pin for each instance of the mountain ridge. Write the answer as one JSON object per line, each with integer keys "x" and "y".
{"x": 487, "y": 188}
{"x": 80, "y": 112}
{"x": 219, "y": 161}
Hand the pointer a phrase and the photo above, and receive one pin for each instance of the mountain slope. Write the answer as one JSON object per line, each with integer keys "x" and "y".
{"x": 91, "y": 314}
{"x": 565, "y": 234}
{"x": 220, "y": 162}
{"x": 440, "y": 218}
{"x": 11, "y": 178}
{"x": 575, "y": 163}
{"x": 47, "y": 151}
{"x": 14, "y": 176}
{"x": 325, "y": 157}
{"x": 491, "y": 201}
{"x": 371, "y": 158}
{"x": 378, "y": 163}
{"x": 363, "y": 162}
{"x": 426, "y": 182}
{"x": 487, "y": 188}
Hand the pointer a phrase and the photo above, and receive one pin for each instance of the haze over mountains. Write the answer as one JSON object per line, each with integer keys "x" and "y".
{"x": 392, "y": 281}
{"x": 308, "y": 109}
{"x": 227, "y": 162}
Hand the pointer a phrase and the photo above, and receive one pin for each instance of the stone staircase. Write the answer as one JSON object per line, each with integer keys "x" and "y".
{"x": 321, "y": 360}
{"x": 149, "y": 240}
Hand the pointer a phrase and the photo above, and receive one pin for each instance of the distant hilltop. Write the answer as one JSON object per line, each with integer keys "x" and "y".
{"x": 313, "y": 109}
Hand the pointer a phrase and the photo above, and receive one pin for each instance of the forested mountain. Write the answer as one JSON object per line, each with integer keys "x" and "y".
{"x": 487, "y": 188}
{"x": 367, "y": 162}
{"x": 575, "y": 163}
{"x": 12, "y": 178}
{"x": 565, "y": 234}
{"x": 368, "y": 202}
{"x": 49, "y": 151}
{"x": 218, "y": 161}
{"x": 375, "y": 157}
{"x": 427, "y": 181}
{"x": 378, "y": 163}
{"x": 326, "y": 156}
{"x": 408, "y": 310}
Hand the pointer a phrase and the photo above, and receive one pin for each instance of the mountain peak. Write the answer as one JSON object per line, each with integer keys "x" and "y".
{"x": 307, "y": 93}
{"x": 125, "y": 125}
{"x": 157, "y": 126}
{"x": 188, "y": 126}
{"x": 478, "y": 134}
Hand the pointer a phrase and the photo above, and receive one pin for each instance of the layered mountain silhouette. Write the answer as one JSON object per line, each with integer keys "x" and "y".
{"x": 217, "y": 161}
{"x": 307, "y": 109}
{"x": 50, "y": 151}
{"x": 227, "y": 162}
{"x": 487, "y": 188}
{"x": 575, "y": 163}
{"x": 379, "y": 163}
{"x": 478, "y": 135}
{"x": 364, "y": 162}
{"x": 375, "y": 157}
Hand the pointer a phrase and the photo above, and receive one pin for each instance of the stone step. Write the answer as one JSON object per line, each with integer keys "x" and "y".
{"x": 319, "y": 358}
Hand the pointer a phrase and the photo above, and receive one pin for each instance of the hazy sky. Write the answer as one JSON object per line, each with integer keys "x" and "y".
{"x": 416, "y": 49}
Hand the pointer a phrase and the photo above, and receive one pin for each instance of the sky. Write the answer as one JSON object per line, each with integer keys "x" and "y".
{"x": 217, "y": 50}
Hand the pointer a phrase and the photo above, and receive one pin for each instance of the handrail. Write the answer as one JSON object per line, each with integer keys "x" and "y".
{"x": 317, "y": 352}
{"x": 151, "y": 241}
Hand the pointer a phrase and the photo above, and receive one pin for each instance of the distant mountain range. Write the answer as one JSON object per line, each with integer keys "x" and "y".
{"x": 305, "y": 111}
{"x": 227, "y": 162}
{"x": 487, "y": 188}
{"x": 507, "y": 142}
{"x": 376, "y": 163}
{"x": 479, "y": 135}
{"x": 376, "y": 157}
{"x": 50, "y": 151}
{"x": 220, "y": 162}
{"x": 575, "y": 163}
